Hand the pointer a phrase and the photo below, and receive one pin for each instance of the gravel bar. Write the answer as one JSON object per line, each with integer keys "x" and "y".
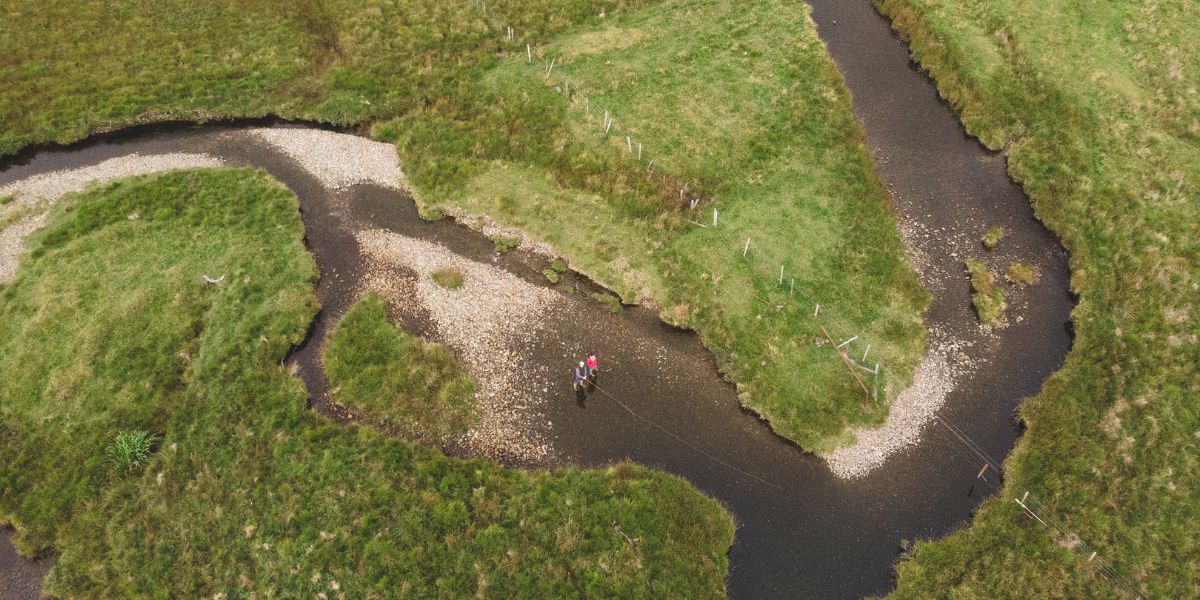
{"x": 339, "y": 160}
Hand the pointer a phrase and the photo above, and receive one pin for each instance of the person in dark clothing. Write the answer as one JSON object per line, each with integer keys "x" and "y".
{"x": 581, "y": 376}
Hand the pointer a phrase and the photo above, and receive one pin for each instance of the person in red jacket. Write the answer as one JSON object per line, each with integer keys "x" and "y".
{"x": 592, "y": 366}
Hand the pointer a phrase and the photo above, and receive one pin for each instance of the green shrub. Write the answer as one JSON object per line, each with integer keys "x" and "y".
{"x": 992, "y": 238}
{"x": 551, "y": 275}
{"x": 130, "y": 451}
{"x": 451, "y": 279}
{"x": 7, "y": 199}
{"x": 559, "y": 265}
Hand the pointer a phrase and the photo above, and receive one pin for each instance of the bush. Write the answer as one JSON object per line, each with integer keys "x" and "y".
{"x": 130, "y": 451}
{"x": 7, "y": 199}
{"x": 551, "y": 275}
{"x": 451, "y": 279}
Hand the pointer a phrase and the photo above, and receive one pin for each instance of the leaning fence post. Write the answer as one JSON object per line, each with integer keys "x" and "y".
{"x": 747, "y": 248}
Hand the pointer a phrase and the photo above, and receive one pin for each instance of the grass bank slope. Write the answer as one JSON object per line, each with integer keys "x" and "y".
{"x": 1096, "y": 104}
{"x": 108, "y": 326}
{"x": 737, "y": 101}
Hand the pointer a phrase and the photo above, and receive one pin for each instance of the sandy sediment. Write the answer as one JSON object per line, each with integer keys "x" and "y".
{"x": 39, "y": 191}
{"x": 490, "y": 322}
{"x": 339, "y": 160}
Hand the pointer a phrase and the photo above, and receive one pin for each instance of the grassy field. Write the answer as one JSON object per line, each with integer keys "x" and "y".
{"x": 770, "y": 142}
{"x": 108, "y": 327}
{"x": 1096, "y": 105}
{"x": 385, "y": 375}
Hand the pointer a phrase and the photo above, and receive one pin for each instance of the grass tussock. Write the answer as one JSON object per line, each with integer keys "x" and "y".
{"x": 410, "y": 386}
{"x": 504, "y": 243}
{"x": 772, "y": 140}
{"x": 1020, "y": 273}
{"x": 992, "y": 238}
{"x": 612, "y": 302}
{"x": 130, "y": 451}
{"x": 1097, "y": 106}
{"x": 986, "y": 296}
{"x": 108, "y": 327}
{"x": 451, "y": 279}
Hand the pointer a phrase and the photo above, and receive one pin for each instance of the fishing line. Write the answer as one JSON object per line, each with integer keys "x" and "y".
{"x": 683, "y": 441}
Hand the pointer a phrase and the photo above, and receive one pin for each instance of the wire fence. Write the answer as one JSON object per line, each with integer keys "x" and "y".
{"x": 824, "y": 317}
{"x": 637, "y": 150}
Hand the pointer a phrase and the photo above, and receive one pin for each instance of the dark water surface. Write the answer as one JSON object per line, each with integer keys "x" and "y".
{"x": 805, "y": 534}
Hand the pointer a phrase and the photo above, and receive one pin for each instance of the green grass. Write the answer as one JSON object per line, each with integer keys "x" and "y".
{"x": 986, "y": 296}
{"x": 5, "y": 200}
{"x": 1096, "y": 105}
{"x": 130, "y": 451}
{"x": 771, "y": 142}
{"x": 612, "y": 302}
{"x": 992, "y": 238}
{"x": 451, "y": 279}
{"x": 1022, "y": 274}
{"x": 108, "y": 327}
{"x": 412, "y": 387}
{"x": 504, "y": 243}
